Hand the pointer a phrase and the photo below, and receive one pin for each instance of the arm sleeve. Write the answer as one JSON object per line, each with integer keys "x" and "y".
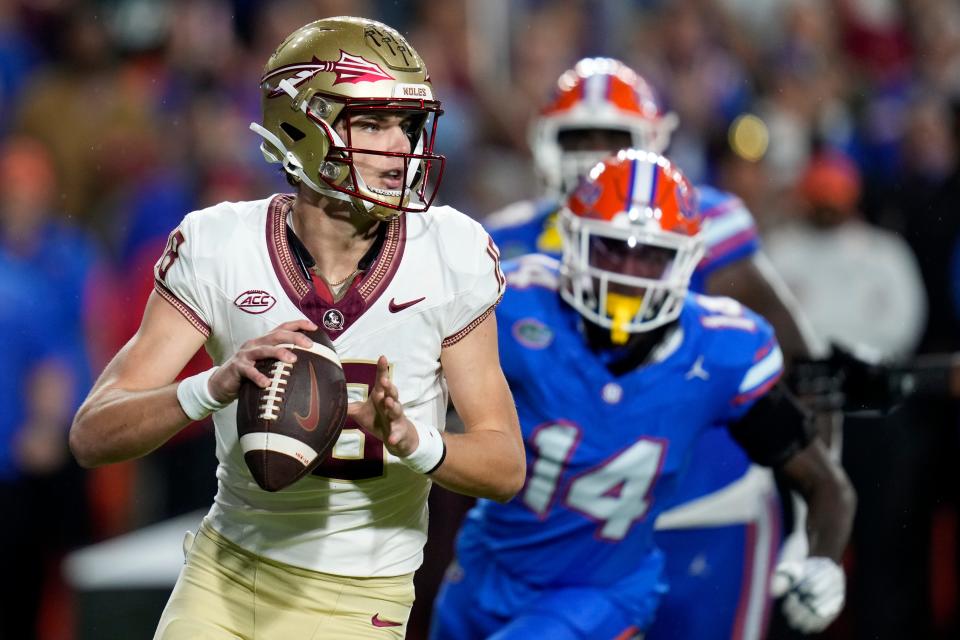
{"x": 479, "y": 286}
{"x": 774, "y": 429}
{"x": 175, "y": 277}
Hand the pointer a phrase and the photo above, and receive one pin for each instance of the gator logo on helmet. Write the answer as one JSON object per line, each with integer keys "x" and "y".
{"x": 349, "y": 68}
{"x": 588, "y": 192}
{"x": 687, "y": 202}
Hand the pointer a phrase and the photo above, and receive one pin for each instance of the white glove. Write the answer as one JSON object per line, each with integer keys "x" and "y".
{"x": 814, "y": 588}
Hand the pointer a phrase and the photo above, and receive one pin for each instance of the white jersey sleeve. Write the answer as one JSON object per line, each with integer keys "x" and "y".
{"x": 175, "y": 276}
{"x": 478, "y": 281}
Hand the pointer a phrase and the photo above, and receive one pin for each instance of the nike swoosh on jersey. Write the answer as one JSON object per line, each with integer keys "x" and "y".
{"x": 380, "y": 622}
{"x": 394, "y": 307}
{"x": 309, "y": 422}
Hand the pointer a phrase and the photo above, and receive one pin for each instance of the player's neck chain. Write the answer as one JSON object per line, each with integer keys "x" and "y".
{"x": 335, "y": 284}
{"x": 338, "y": 289}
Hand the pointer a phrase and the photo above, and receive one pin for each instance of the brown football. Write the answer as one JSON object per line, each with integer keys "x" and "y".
{"x": 286, "y": 429}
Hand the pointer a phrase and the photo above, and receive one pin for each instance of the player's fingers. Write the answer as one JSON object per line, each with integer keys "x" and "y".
{"x": 785, "y": 577}
{"x": 264, "y": 351}
{"x": 394, "y": 439}
{"x": 284, "y": 336}
{"x": 390, "y": 390}
{"x": 376, "y": 393}
{"x": 394, "y": 409}
{"x": 297, "y": 325}
{"x": 384, "y": 382}
{"x": 247, "y": 370}
{"x": 361, "y": 413}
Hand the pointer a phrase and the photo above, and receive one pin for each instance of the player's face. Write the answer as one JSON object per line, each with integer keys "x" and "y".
{"x": 602, "y": 140}
{"x": 386, "y": 131}
{"x": 630, "y": 258}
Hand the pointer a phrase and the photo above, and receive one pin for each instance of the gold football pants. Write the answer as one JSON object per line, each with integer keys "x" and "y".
{"x": 227, "y": 593}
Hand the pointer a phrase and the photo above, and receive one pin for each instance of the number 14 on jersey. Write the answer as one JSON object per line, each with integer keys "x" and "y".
{"x": 615, "y": 493}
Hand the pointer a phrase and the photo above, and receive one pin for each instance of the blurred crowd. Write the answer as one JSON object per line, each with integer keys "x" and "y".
{"x": 836, "y": 121}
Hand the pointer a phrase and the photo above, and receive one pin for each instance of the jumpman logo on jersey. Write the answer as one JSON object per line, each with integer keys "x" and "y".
{"x": 697, "y": 370}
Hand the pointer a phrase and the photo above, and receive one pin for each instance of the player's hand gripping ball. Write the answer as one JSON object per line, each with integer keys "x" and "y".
{"x": 286, "y": 429}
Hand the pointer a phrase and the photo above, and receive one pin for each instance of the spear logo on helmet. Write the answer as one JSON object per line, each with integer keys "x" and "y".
{"x": 349, "y": 68}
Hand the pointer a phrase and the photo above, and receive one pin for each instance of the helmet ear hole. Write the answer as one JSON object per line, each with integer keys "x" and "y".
{"x": 292, "y": 132}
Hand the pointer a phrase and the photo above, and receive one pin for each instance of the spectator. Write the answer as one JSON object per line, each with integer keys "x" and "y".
{"x": 858, "y": 284}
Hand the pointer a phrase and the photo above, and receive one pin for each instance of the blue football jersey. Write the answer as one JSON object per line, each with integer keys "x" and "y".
{"x": 605, "y": 453}
{"x": 729, "y": 233}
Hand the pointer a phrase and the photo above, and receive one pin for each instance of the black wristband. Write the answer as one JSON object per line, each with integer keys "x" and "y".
{"x": 927, "y": 375}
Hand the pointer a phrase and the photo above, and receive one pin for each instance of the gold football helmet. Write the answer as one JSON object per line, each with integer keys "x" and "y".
{"x": 340, "y": 68}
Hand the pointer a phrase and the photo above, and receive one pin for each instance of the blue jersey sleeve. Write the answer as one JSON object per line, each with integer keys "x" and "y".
{"x": 744, "y": 345}
{"x": 525, "y": 227}
{"x": 730, "y": 232}
{"x": 764, "y": 371}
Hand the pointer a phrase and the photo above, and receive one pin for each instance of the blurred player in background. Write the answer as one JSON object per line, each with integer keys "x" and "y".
{"x": 718, "y": 558}
{"x": 349, "y": 113}
{"x": 617, "y": 374}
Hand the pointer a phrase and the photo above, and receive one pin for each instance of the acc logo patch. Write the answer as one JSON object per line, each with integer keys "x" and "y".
{"x": 255, "y": 301}
{"x": 532, "y": 333}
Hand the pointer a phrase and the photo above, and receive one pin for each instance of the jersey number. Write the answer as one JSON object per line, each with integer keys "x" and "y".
{"x": 615, "y": 493}
{"x": 357, "y": 454}
{"x": 171, "y": 254}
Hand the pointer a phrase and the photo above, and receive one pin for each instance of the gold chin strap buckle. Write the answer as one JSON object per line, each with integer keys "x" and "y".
{"x": 622, "y": 310}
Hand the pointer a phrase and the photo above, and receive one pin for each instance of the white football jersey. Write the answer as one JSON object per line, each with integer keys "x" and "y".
{"x": 231, "y": 272}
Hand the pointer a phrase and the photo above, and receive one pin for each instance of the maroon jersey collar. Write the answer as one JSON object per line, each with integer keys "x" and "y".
{"x": 334, "y": 317}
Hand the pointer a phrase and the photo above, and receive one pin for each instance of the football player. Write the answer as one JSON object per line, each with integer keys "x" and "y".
{"x": 718, "y": 559}
{"x": 617, "y": 374}
{"x": 407, "y": 298}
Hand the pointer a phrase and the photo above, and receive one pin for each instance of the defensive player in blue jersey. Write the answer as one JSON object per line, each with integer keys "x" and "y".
{"x": 617, "y": 373}
{"x": 721, "y": 539}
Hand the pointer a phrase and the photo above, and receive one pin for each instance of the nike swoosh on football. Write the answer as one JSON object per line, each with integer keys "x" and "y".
{"x": 380, "y": 622}
{"x": 309, "y": 421}
{"x": 394, "y": 307}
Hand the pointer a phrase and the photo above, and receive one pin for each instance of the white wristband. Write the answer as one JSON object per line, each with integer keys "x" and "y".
{"x": 430, "y": 453}
{"x": 194, "y": 396}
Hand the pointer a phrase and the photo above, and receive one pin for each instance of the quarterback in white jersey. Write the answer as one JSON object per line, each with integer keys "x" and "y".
{"x": 406, "y": 297}
{"x": 237, "y": 277}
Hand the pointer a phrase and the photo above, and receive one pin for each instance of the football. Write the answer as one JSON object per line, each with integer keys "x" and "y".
{"x": 286, "y": 429}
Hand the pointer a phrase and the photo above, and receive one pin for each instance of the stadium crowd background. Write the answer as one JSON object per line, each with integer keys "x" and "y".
{"x": 119, "y": 116}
